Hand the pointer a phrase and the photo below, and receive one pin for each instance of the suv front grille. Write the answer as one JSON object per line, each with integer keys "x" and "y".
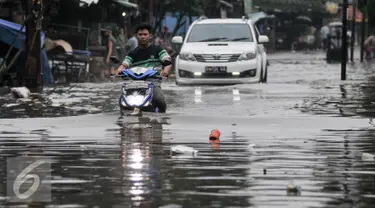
{"x": 217, "y": 59}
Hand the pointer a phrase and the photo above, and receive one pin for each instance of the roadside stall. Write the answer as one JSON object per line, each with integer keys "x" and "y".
{"x": 68, "y": 54}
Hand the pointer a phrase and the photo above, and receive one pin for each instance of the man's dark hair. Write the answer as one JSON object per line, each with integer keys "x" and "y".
{"x": 143, "y": 26}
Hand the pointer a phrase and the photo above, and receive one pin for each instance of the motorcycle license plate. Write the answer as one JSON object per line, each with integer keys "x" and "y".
{"x": 216, "y": 69}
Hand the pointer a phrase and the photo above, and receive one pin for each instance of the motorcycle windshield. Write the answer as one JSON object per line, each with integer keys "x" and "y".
{"x": 140, "y": 73}
{"x": 139, "y": 70}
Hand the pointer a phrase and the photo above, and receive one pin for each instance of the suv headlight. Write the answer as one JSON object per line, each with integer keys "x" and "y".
{"x": 187, "y": 57}
{"x": 247, "y": 56}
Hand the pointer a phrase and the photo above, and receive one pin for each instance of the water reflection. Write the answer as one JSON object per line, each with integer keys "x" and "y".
{"x": 140, "y": 160}
{"x": 198, "y": 95}
{"x": 344, "y": 92}
{"x": 122, "y": 169}
{"x": 209, "y": 179}
{"x": 348, "y": 180}
{"x": 236, "y": 95}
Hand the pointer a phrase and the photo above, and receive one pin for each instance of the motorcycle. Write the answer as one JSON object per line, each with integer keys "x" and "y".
{"x": 138, "y": 89}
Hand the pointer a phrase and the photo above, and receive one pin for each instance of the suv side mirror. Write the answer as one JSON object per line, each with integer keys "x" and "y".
{"x": 177, "y": 40}
{"x": 263, "y": 39}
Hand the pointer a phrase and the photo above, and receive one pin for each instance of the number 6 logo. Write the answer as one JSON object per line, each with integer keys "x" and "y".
{"x": 24, "y": 176}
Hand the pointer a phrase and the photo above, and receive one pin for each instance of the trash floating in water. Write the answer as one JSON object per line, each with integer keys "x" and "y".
{"x": 182, "y": 149}
{"x": 293, "y": 189}
{"x": 215, "y": 134}
{"x": 251, "y": 148}
{"x": 368, "y": 157}
{"x": 20, "y": 92}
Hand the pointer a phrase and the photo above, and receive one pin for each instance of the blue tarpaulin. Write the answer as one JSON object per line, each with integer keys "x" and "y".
{"x": 9, "y": 31}
{"x": 8, "y": 34}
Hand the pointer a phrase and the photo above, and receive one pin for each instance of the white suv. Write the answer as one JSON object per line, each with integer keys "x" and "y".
{"x": 221, "y": 51}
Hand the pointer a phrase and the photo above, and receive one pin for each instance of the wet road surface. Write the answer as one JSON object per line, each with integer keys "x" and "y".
{"x": 309, "y": 129}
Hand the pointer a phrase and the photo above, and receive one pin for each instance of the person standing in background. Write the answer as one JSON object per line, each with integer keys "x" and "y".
{"x": 324, "y": 31}
{"x": 132, "y": 42}
{"x": 110, "y": 51}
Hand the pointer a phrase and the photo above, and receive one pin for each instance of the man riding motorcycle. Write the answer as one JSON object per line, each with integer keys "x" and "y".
{"x": 148, "y": 55}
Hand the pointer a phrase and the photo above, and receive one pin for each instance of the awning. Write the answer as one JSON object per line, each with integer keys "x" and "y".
{"x": 126, "y": 3}
{"x": 9, "y": 31}
{"x": 358, "y": 14}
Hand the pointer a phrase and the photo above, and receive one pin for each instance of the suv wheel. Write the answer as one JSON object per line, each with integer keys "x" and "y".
{"x": 261, "y": 76}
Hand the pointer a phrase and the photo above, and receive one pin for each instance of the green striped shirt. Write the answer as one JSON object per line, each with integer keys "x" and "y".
{"x": 146, "y": 57}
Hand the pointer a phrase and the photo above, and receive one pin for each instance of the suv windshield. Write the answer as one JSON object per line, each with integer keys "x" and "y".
{"x": 220, "y": 33}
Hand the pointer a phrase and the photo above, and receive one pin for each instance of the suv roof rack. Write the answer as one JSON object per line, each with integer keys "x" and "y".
{"x": 245, "y": 18}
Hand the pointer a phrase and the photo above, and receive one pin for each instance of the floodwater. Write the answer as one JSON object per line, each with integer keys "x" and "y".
{"x": 309, "y": 129}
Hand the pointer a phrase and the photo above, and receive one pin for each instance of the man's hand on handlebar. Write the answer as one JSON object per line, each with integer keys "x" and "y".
{"x": 163, "y": 73}
{"x": 120, "y": 69}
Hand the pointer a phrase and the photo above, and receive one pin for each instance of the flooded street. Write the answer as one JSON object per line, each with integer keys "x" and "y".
{"x": 309, "y": 129}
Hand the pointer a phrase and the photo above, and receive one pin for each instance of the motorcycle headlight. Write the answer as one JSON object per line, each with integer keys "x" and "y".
{"x": 187, "y": 57}
{"x": 247, "y": 56}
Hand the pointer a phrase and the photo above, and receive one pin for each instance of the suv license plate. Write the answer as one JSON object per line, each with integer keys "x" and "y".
{"x": 216, "y": 69}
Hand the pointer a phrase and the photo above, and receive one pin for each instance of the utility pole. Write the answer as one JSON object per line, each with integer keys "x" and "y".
{"x": 33, "y": 74}
{"x": 344, "y": 48}
{"x": 363, "y": 26}
{"x": 354, "y": 14}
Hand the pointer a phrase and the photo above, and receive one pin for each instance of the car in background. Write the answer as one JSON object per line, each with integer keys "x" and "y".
{"x": 221, "y": 51}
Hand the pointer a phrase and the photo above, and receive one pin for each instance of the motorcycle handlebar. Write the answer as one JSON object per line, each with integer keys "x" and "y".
{"x": 126, "y": 77}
